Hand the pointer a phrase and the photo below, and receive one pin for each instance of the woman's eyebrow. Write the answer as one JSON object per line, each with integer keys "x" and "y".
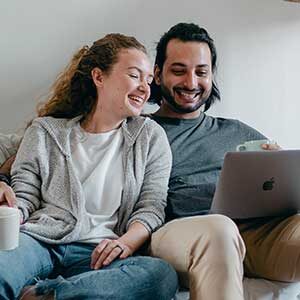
{"x": 140, "y": 71}
{"x": 136, "y": 68}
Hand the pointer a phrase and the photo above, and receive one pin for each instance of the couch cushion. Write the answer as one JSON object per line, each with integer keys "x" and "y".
{"x": 260, "y": 289}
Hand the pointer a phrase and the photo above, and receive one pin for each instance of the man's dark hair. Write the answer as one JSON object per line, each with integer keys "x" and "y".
{"x": 185, "y": 32}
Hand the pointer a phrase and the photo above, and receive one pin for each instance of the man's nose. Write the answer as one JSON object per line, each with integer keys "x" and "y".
{"x": 191, "y": 81}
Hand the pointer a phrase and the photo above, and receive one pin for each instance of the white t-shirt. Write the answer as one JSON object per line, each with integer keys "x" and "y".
{"x": 97, "y": 159}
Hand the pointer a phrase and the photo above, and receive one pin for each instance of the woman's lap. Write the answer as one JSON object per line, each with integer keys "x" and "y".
{"x": 20, "y": 267}
{"x": 136, "y": 277}
{"x": 133, "y": 278}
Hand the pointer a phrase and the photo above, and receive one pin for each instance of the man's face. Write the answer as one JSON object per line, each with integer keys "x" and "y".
{"x": 186, "y": 78}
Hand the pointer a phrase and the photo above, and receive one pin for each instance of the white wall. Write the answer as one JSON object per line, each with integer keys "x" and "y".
{"x": 258, "y": 43}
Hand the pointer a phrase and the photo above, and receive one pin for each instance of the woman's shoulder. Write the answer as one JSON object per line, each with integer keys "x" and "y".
{"x": 54, "y": 126}
{"x": 147, "y": 124}
{"x": 54, "y": 122}
{"x": 58, "y": 128}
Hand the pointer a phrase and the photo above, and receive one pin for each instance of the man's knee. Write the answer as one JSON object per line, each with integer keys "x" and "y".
{"x": 221, "y": 229}
{"x": 216, "y": 228}
{"x": 212, "y": 235}
{"x": 220, "y": 235}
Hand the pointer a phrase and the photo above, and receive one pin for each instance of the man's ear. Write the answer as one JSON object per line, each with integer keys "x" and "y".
{"x": 97, "y": 76}
{"x": 157, "y": 73}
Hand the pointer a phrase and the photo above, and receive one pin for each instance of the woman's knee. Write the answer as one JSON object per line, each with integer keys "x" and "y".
{"x": 20, "y": 266}
{"x": 7, "y": 279}
{"x": 161, "y": 276}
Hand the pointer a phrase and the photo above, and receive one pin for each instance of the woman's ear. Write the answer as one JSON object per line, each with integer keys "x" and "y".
{"x": 97, "y": 76}
{"x": 157, "y": 74}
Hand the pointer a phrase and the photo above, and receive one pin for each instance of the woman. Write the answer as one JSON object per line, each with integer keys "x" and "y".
{"x": 90, "y": 180}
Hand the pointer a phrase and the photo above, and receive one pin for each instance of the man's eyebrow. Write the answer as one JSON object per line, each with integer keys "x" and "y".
{"x": 178, "y": 64}
{"x": 203, "y": 66}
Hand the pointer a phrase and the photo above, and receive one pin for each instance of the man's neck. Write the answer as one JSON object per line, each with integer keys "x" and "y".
{"x": 167, "y": 112}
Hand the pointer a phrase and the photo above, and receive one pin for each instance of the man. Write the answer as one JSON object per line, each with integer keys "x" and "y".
{"x": 208, "y": 250}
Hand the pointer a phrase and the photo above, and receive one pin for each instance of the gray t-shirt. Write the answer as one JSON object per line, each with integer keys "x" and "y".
{"x": 198, "y": 147}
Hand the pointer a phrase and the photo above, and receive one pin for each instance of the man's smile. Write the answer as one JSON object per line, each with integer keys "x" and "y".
{"x": 188, "y": 95}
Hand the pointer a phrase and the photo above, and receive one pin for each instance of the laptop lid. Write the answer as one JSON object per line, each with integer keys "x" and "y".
{"x": 258, "y": 184}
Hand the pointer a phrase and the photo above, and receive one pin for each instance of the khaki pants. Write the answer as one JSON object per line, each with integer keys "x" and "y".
{"x": 208, "y": 252}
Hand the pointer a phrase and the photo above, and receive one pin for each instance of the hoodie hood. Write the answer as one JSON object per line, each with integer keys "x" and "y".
{"x": 60, "y": 129}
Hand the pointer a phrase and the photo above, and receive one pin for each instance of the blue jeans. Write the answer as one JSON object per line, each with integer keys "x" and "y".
{"x": 65, "y": 269}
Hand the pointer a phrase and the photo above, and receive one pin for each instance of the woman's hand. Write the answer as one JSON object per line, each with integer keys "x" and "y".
{"x": 107, "y": 251}
{"x": 7, "y": 195}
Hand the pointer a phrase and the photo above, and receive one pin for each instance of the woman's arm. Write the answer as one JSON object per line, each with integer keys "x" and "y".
{"x": 25, "y": 172}
{"x": 9, "y": 144}
{"x": 149, "y": 210}
{"x": 5, "y": 168}
{"x": 7, "y": 195}
{"x": 8, "y": 147}
{"x": 108, "y": 250}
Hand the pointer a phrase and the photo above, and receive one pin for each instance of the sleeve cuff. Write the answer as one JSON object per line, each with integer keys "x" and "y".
{"x": 5, "y": 178}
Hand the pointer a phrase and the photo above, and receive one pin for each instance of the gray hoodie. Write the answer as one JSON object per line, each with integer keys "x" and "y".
{"x": 50, "y": 195}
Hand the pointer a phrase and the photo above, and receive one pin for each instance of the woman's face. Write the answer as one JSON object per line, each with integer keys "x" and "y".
{"x": 126, "y": 88}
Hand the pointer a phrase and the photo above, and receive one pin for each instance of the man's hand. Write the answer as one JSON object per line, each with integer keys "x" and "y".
{"x": 6, "y": 166}
{"x": 7, "y": 195}
{"x": 271, "y": 147}
{"x": 107, "y": 251}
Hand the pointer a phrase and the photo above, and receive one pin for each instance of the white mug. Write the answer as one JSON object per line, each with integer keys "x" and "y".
{"x": 9, "y": 228}
{"x": 253, "y": 145}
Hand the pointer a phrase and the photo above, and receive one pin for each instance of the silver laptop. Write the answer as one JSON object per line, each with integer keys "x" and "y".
{"x": 258, "y": 184}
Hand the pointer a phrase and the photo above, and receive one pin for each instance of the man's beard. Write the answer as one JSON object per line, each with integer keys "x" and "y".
{"x": 166, "y": 94}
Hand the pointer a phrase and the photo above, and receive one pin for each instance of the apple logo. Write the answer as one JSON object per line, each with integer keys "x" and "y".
{"x": 269, "y": 184}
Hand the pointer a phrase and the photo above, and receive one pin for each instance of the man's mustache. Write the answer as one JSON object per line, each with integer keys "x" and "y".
{"x": 185, "y": 90}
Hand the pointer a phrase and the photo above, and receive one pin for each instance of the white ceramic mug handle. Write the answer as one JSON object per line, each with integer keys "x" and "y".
{"x": 241, "y": 148}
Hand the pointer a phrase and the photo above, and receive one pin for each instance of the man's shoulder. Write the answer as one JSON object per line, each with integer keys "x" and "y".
{"x": 235, "y": 126}
{"x": 210, "y": 123}
{"x": 226, "y": 122}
